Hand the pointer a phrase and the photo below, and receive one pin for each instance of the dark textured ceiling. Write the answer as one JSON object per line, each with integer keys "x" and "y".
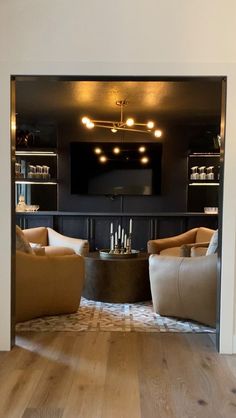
{"x": 167, "y": 102}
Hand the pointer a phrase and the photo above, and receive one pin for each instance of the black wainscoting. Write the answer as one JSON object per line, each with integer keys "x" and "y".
{"x": 96, "y": 227}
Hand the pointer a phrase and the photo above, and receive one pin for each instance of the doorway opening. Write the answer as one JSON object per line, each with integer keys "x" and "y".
{"x": 188, "y": 111}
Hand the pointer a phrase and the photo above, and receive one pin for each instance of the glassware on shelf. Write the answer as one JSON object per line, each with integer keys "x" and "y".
{"x": 45, "y": 172}
{"x": 39, "y": 173}
{"x": 31, "y": 171}
{"x": 32, "y": 208}
{"x": 202, "y": 173}
{"x": 18, "y": 170}
{"x": 21, "y": 205}
{"x": 211, "y": 210}
{"x": 210, "y": 175}
{"x": 194, "y": 175}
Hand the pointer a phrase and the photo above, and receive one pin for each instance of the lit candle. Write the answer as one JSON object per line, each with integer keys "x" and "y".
{"x": 130, "y": 226}
{"x": 122, "y": 236}
{"x": 116, "y": 241}
{"x": 119, "y": 229}
{"x": 111, "y": 229}
{"x": 112, "y": 242}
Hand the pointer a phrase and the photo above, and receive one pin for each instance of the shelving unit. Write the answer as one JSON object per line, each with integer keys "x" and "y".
{"x": 37, "y": 190}
{"x": 203, "y": 192}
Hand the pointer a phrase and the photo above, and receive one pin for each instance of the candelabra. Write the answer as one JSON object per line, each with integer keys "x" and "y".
{"x": 120, "y": 242}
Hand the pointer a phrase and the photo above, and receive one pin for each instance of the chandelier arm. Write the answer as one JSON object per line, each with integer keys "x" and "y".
{"x": 103, "y": 121}
{"x": 122, "y": 129}
{"x": 121, "y": 125}
{"x": 140, "y": 124}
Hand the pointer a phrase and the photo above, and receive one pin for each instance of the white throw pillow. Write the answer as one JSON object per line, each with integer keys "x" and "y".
{"x": 213, "y": 246}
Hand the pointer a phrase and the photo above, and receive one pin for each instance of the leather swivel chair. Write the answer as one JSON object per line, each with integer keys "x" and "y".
{"x": 46, "y": 284}
{"x": 184, "y": 287}
{"x": 181, "y": 245}
{"x": 55, "y": 243}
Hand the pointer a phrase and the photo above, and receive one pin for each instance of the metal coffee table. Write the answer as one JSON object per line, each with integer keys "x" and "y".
{"x": 117, "y": 280}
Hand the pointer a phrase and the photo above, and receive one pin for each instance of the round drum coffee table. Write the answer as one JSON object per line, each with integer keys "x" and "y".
{"x": 117, "y": 280}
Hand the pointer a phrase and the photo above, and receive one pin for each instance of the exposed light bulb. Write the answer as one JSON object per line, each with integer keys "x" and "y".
{"x": 144, "y": 160}
{"x": 150, "y": 125}
{"x": 90, "y": 125}
{"x": 157, "y": 133}
{"x": 130, "y": 122}
{"x": 97, "y": 150}
{"x": 113, "y": 130}
{"x": 85, "y": 120}
{"x": 103, "y": 159}
{"x": 116, "y": 150}
{"x": 142, "y": 149}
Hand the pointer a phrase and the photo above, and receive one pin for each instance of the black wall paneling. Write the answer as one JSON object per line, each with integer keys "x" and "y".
{"x": 75, "y": 227}
{"x": 96, "y": 227}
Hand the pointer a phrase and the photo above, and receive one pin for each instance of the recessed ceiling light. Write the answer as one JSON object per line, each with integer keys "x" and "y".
{"x": 142, "y": 149}
{"x": 116, "y": 150}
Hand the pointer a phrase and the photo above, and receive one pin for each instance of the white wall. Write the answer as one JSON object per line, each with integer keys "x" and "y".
{"x": 110, "y": 37}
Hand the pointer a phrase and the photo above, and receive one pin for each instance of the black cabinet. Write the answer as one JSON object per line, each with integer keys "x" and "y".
{"x": 99, "y": 230}
{"x": 73, "y": 226}
{"x": 96, "y": 227}
{"x": 26, "y": 221}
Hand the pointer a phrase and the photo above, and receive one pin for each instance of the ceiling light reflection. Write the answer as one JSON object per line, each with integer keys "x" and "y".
{"x": 97, "y": 150}
{"x": 103, "y": 159}
{"x": 144, "y": 160}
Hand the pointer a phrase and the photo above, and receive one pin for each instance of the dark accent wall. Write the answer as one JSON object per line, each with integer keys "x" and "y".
{"x": 173, "y": 195}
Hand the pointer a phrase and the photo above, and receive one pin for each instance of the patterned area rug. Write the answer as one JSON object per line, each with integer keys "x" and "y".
{"x": 94, "y": 316}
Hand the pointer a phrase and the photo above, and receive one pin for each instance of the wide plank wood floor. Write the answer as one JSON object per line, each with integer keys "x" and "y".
{"x": 116, "y": 375}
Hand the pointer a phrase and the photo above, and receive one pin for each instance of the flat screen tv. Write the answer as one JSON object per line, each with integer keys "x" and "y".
{"x": 112, "y": 168}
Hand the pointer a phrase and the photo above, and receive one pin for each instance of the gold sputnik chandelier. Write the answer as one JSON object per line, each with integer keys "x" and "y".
{"x": 122, "y": 125}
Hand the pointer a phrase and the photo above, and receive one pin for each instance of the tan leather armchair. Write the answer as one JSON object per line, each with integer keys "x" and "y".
{"x": 55, "y": 243}
{"x": 47, "y": 285}
{"x": 184, "y": 287}
{"x": 193, "y": 242}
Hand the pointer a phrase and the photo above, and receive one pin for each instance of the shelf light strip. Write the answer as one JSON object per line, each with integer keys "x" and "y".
{"x": 37, "y": 153}
{"x": 204, "y": 155}
{"x": 203, "y": 184}
{"x": 34, "y": 182}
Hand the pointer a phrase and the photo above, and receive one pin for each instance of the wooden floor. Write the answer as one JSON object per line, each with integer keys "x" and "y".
{"x": 116, "y": 375}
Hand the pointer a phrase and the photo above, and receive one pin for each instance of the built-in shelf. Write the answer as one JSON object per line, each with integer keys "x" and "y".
{"x": 36, "y": 153}
{"x": 35, "y": 181}
{"x": 203, "y": 184}
{"x": 204, "y": 155}
{"x": 203, "y": 180}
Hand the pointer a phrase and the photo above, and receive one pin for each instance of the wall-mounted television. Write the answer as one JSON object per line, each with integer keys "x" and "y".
{"x": 112, "y": 168}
